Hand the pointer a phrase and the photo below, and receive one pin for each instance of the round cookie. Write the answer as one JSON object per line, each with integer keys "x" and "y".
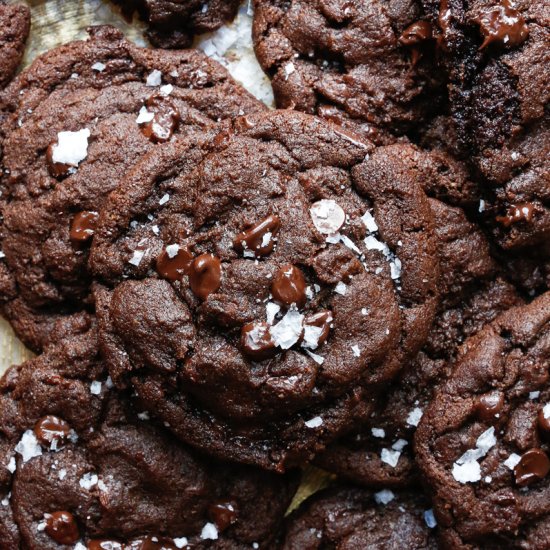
{"x": 292, "y": 266}
{"x": 497, "y": 56}
{"x": 349, "y": 518}
{"x": 82, "y": 468}
{"x": 15, "y": 24}
{"x": 172, "y": 24}
{"x": 473, "y": 294}
{"x": 482, "y": 444}
{"x": 364, "y": 64}
{"x": 77, "y": 119}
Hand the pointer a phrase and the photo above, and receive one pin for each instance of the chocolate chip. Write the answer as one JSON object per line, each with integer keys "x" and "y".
{"x": 258, "y": 239}
{"x": 165, "y": 121}
{"x": 104, "y": 544}
{"x": 533, "y": 466}
{"x": 502, "y": 24}
{"x": 256, "y": 341}
{"x": 322, "y": 320}
{"x": 50, "y": 428}
{"x": 488, "y": 405}
{"x": 62, "y": 528}
{"x": 205, "y": 275}
{"x": 223, "y": 514}
{"x": 517, "y": 213}
{"x": 544, "y": 423}
{"x": 289, "y": 286}
{"x": 416, "y": 33}
{"x": 83, "y": 226}
{"x": 56, "y": 169}
{"x": 173, "y": 265}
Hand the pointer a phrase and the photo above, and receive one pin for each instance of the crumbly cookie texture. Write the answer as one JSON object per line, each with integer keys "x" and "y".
{"x": 482, "y": 444}
{"x": 15, "y": 24}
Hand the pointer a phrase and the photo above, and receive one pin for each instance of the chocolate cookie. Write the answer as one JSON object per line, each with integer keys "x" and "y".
{"x": 497, "y": 56}
{"x": 15, "y": 23}
{"x": 482, "y": 443}
{"x": 351, "y": 518}
{"x": 83, "y": 469}
{"x": 173, "y": 23}
{"x": 78, "y": 118}
{"x": 363, "y": 64}
{"x": 277, "y": 281}
{"x": 381, "y": 453}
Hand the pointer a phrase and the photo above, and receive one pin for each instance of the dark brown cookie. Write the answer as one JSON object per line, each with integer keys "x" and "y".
{"x": 81, "y": 467}
{"x": 351, "y": 518}
{"x": 277, "y": 282}
{"x": 78, "y": 118}
{"x": 482, "y": 444}
{"x": 381, "y": 454}
{"x": 173, "y": 23}
{"x": 497, "y": 56}
{"x": 363, "y": 64}
{"x": 15, "y": 23}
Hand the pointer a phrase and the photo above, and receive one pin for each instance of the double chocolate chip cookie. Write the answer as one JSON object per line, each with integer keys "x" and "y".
{"x": 482, "y": 444}
{"x": 473, "y": 294}
{"x": 173, "y": 23}
{"x": 76, "y": 120}
{"x": 497, "y": 56}
{"x": 83, "y": 469}
{"x": 349, "y": 518}
{"x": 364, "y": 64}
{"x": 263, "y": 283}
{"x": 15, "y": 23}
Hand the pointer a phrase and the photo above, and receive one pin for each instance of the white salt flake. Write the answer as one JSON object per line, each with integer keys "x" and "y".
{"x": 384, "y": 496}
{"x": 166, "y": 90}
{"x": 164, "y": 199}
{"x": 209, "y": 531}
{"x": 172, "y": 250}
{"x": 2, "y": 255}
{"x": 144, "y": 116}
{"x": 181, "y": 542}
{"x": 311, "y": 336}
{"x": 137, "y": 257}
{"x": 481, "y": 206}
{"x": 512, "y": 461}
{"x": 12, "y": 465}
{"x": 341, "y": 288}
{"x": 400, "y": 444}
{"x": 95, "y": 387}
{"x": 317, "y": 358}
{"x": 534, "y": 394}
{"x": 289, "y": 69}
{"x": 467, "y": 469}
{"x": 378, "y": 432}
{"x": 390, "y": 456}
{"x": 6, "y": 500}
{"x": 28, "y": 447}
{"x": 429, "y": 519}
{"x": 414, "y": 416}
{"x": 395, "y": 268}
{"x": 88, "y": 480}
{"x": 98, "y": 66}
{"x": 144, "y": 415}
{"x": 288, "y": 330}
{"x": 546, "y": 411}
{"x": 369, "y": 221}
{"x": 314, "y": 422}
{"x": 346, "y": 241}
{"x": 356, "y": 351}
{"x": 62, "y": 474}
{"x": 71, "y": 147}
{"x": 469, "y": 472}
{"x": 372, "y": 243}
{"x": 154, "y": 78}
{"x": 271, "y": 310}
{"x": 79, "y": 546}
{"x": 327, "y": 216}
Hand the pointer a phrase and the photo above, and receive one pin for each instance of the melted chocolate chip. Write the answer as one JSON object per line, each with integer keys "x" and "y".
{"x": 322, "y": 320}
{"x": 517, "y": 213}
{"x": 257, "y": 241}
{"x": 50, "y": 428}
{"x": 56, "y": 169}
{"x": 104, "y": 544}
{"x": 289, "y": 286}
{"x": 223, "y": 514}
{"x": 533, "y": 466}
{"x": 488, "y": 405}
{"x": 256, "y": 341}
{"x": 416, "y": 33}
{"x": 165, "y": 121}
{"x": 83, "y": 226}
{"x": 205, "y": 275}
{"x": 174, "y": 265}
{"x": 62, "y": 528}
{"x": 151, "y": 543}
{"x": 544, "y": 423}
{"x": 502, "y": 24}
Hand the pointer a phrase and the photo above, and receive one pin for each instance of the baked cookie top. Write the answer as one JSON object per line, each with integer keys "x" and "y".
{"x": 15, "y": 23}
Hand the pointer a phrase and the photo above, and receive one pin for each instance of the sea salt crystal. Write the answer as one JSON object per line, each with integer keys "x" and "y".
{"x": 289, "y": 69}
{"x": 12, "y": 465}
{"x": 28, "y": 447}
{"x": 62, "y": 474}
{"x": 469, "y": 472}
{"x": 95, "y": 387}
{"x": 137, "y": 257}
{"x": 372, "y": 243}
{"x": 467, "y": 469}
{"x": 356, "y": 351}
{"x": 414, "y": 416}
{"x": 271, "y": 310}
{"x": 429, "y": 519}
{"x": 512, "y": 461}
{"x": 71, "y": 147}
{"x": 209, "y": 531}
{"x": 166, "y": 90}
{"x": 98, "y": 66}
{"x": 390, "y": 456}
{"x": 164, "y": 199}
{"x": 88, "y": 480}
{"x": 327, "y": 216}
{"x": 154, "y": 78}
{"x": 384, "y": 496}
{"x": 288, "y": 330}
{"x": 317, "y": 358}
{"x": 311, "y": 336}
{"x": 369, "y": 221}
{"x": 181, "y": 542}
{"x": 378, "y": 432}
{"x": 395, "y": 268}
{"x": 79, "y": 546}
{"x": 144, "y": 116}
{"x": 172, "y": 250}
{"x": 534, "y": 394}
{"x": 341, "y": 288}
{"x": 481, "y": 206}
{"x": 314, "y": 422}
